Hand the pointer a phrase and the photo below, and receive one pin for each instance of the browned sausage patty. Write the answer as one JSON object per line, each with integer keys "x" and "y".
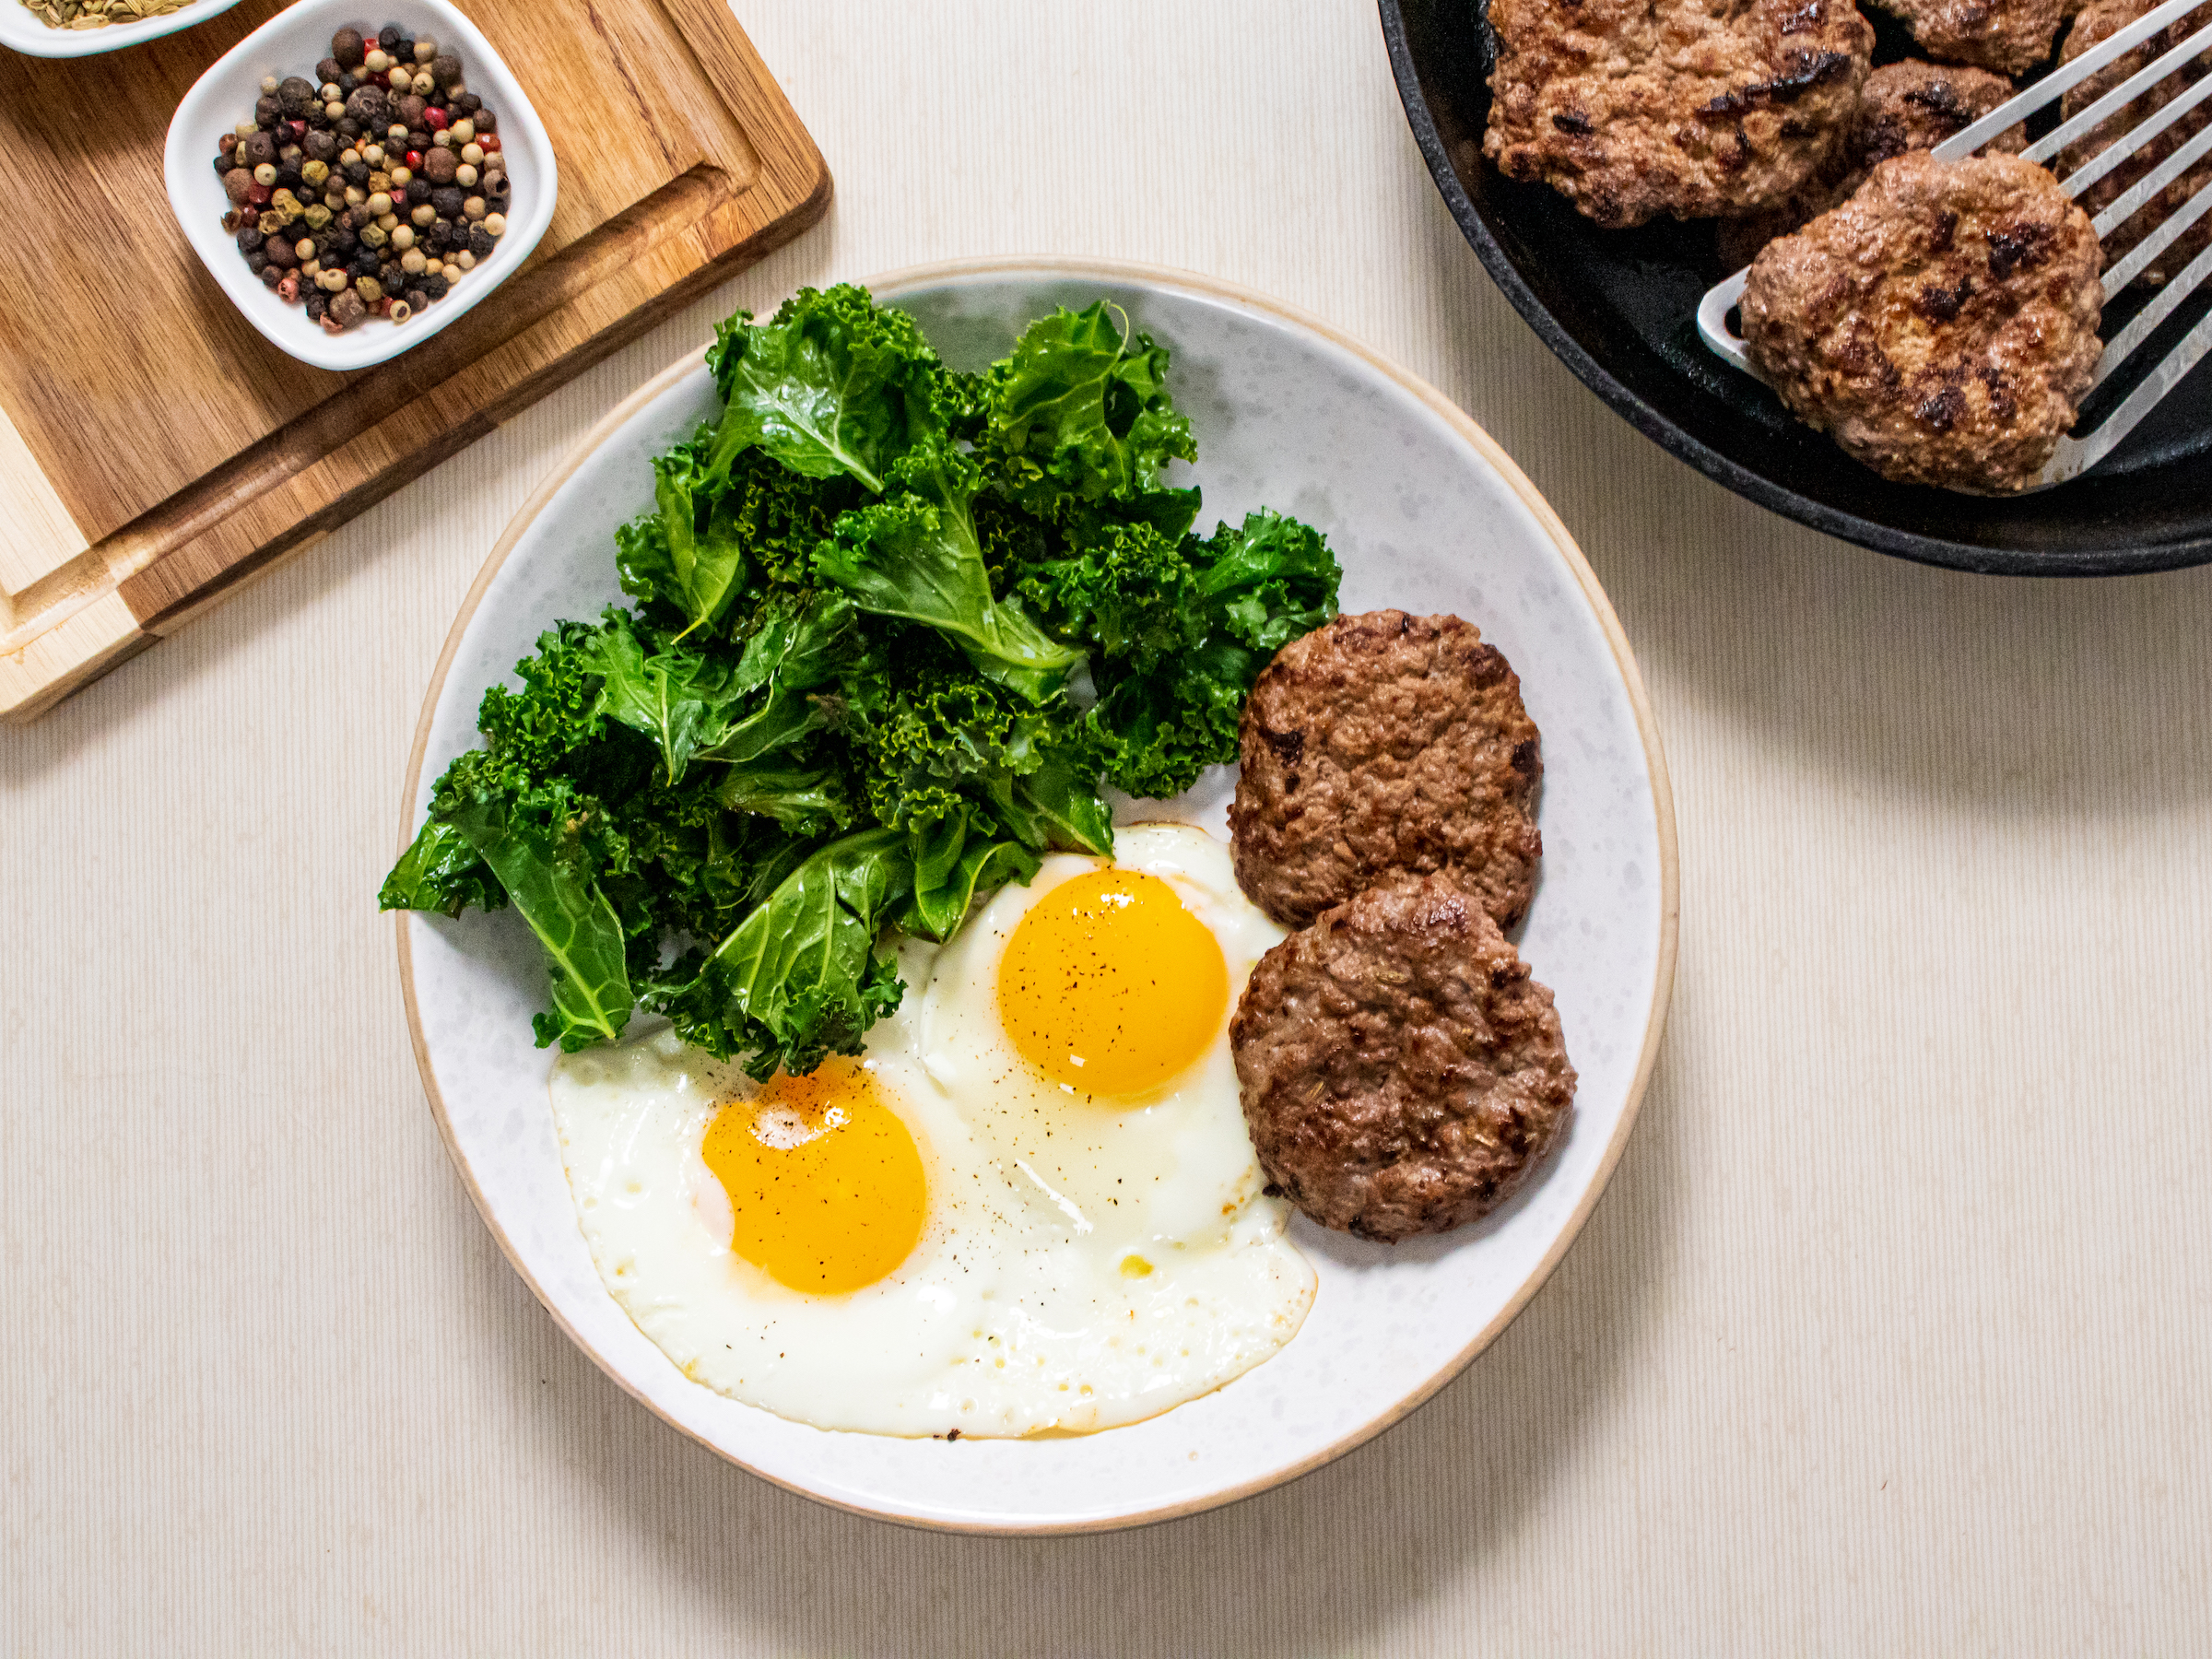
{"x": 1907, "y": 106}
{"x": 1941, "y": 324}
{"x": 2099, "y": 22}
{"x": 1633, "y": 109}
{"x": 1401, "y": 1073}
{"x": 1385, "y": 742}
{"x": 2008, "y": 36}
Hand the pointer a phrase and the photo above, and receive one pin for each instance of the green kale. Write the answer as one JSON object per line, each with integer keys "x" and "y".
{"x": 840, "y": 700}
{"x": 441, "y": 871}
{"x": 1269, "y": 581}
{"x": 799, "y": 977}
{"x": 535, "y": 843}
{"x": 831, "y": 384}
{"x": 916, "y": 555}
{"x": 1080, "y": 414}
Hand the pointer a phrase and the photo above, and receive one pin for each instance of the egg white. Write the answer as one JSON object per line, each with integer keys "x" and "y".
{"x": 1083, "y": 1265}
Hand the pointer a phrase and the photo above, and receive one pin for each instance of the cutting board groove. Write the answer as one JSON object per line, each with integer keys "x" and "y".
{"x": 154, "y": 451}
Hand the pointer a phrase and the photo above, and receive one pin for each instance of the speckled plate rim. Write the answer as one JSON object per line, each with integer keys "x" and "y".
{"x": 888, "y": 286}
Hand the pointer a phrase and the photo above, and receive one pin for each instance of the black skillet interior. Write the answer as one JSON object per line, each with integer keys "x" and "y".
{"x": 1620, "y": 309}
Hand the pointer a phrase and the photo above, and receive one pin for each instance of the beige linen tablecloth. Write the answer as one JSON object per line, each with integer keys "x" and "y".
{"x": 1892, "y": 1336}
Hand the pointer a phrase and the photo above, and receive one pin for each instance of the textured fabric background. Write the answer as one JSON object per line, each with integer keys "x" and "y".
{"x": 1893, "y": 1333}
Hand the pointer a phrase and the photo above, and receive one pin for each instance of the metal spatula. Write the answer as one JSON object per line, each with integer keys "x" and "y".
{"x": 2081, "y": 450}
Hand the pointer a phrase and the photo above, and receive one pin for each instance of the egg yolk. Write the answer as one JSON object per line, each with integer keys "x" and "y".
{"x": 824, "y": 1180}
{"x": 1110, "y": 985}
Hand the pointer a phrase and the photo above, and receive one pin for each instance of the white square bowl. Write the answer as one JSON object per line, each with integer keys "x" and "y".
{"x": 292, "y": 43}
{"x": 34, "y": 38}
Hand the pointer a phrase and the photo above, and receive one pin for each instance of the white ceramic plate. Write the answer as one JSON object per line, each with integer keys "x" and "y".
{"x": 1425, "y": 513}
{"x": 293, "y": 42}
{"x": 32, "y": 36}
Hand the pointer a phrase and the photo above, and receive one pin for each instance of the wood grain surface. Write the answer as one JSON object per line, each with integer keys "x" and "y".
{"x": 1892, "y": 1334}
{"x": 163, "y": 450}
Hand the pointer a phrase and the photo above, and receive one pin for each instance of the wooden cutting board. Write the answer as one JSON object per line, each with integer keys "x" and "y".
{"x": 154, "y": 449}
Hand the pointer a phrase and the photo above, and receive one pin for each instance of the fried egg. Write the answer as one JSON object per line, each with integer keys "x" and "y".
{"x": 1030, "y": 1205}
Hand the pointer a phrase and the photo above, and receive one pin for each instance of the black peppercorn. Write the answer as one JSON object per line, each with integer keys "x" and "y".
{"x": 348, "y": 128}
{"x": 389, "y": 38}
{"x": 419, "y": 191}
{"x": 258, "y": 262}
{"x": 280, "y": 253}
{"x": 249, "y": 238}
{"x": 294, "y": 93}
{"x": 357, "y": 172}
{"x": 327, "y": 71}
{"x": 434, "y": 288}
{"x": 287, "y": 178}
{"x": 265, "y": 109}
{"x": 271, "y": 276}
{"x": 317, "y": 303}
{"x": 320, "y": 146}
{"x": 448, "y": 201}
{"x": 417, "y": 299}
{"x": 256, "y": 150}
{"x": 348, "y": 47}
{"x": 469, "y": 102}
{"x": 366, "y": 263}
{"x": 480, "y": 242}
{"x": 393, "y": 275}
{"x": 485, "y": 121}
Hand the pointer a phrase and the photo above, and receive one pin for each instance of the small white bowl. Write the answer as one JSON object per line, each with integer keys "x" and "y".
{"x": 293, "y": 42}
{"x": 34, "y": 38}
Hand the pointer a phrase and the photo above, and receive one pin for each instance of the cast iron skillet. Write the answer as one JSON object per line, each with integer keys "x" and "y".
{"x": 1618, "y": 306}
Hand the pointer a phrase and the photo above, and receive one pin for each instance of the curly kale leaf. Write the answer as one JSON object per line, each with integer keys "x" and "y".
{"x": 833, "y": 384}
{"x": 539, "y": 840}
{"x": 441, "y": 871}
{"x": 1131, "y": 590}
{"x": 916, "y": 555}
{"x": 1269, "y": 581}
{"x": 799, "y": 977}
{"x": 954, "y": 857}
{"x": 1080, "y": 414}
{"x": 755, "y": 522}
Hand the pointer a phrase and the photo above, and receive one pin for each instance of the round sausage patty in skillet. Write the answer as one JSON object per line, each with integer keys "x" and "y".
{"x": 1384, "y": 742}
{"x": 1400, "y": 1070}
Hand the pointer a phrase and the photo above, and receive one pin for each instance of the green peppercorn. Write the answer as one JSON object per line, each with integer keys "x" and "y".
{"x": 373, "y": 236}
{"x": 368, "y": 288}
{"x": 315, "y": 172}
{"x": 317, "y": 217}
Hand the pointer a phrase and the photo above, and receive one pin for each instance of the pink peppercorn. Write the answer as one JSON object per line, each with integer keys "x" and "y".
{"x": 435, "y": 120}
{"x": 415, "y": 160}
{"x": 259, "y": 194}
{"x": 297, "y": 129}
{"x": 488, "y": 143}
